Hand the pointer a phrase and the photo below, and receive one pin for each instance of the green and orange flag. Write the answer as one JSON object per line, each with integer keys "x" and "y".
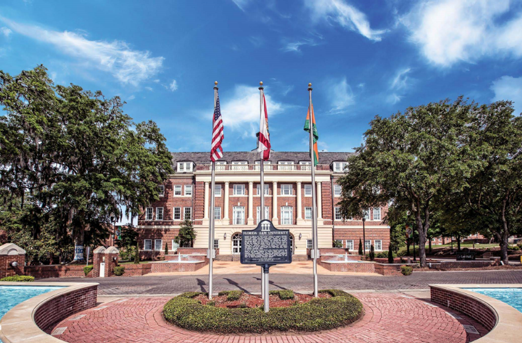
{"x": 314, "y": 132}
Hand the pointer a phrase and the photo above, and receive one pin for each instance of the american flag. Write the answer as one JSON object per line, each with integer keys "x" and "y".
{"x": 216, "y": 152}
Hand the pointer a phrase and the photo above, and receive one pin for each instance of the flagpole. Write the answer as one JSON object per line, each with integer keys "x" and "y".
{"x": 314, "y": 196}
{"x": 211, "y": 222}
{"x": 262, "y": 179}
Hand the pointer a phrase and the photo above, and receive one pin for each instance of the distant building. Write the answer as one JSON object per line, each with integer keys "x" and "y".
{"x": 288, "y": 201}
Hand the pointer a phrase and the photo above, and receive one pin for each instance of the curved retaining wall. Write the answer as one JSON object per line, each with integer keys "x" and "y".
{"x": 32, "y": 320}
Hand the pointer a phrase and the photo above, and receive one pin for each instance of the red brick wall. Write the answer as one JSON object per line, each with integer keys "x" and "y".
{"x": 349, "y": 267}
{"x": 388, "y": 269}
{"x": 42, "y": 272}
{"x": 137, "y": 269}
{"x": 7, "y": 270}
{"x": 55, "y": 310}
{"x": 472, "y": 307}
{"x": 357, "y": 233}
{"x": 166, "y": 267}
{"x": 166, "y": 235}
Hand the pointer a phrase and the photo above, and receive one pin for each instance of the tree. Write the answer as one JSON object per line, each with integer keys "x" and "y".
{"x": 412, "y": 159}
{"x": 186, "y": 234}
{"x": 360, "y": 247}
{"x": 372, "y": 253}
{"x": 75, "y": 156}
{"x": 166, "y": 249}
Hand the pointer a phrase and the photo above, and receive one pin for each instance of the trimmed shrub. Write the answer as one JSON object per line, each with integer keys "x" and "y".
{"x": 18, "y": 278}
{"x": 384, "y": 254}
{"x": 285, "y": 294}
{"x": 119, "y": 271}
{"x": 87, "y": 269}
{"x": 360, "y": 247}
{"x": 406, "y": 270}
{"x": 232, "y": 295}
{"x": 315, "y": 315}
{"x": 372, "y": 253}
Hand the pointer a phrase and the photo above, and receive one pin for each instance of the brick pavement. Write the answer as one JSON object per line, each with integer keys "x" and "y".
{"x": 389, "y": 317}
{"x": 301, "y": 283}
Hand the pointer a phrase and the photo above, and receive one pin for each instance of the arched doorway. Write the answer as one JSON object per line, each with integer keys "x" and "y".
{"x": 236, "y": 243}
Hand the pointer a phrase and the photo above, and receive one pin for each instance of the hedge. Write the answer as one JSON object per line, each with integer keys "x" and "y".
{"x": 87, "y": 269}
{"x": 317, "y": 314}
{"x": 285, "y": 294}
{"x": 119, "y": 271}
{"x": 232, "y": 295}
{"x": 406, "y": 270}
{"x": 18, "y": 278}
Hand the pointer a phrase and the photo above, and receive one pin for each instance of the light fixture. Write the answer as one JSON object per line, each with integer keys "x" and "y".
{"x": 225, "y": 236}
{"x": 300, "y": 235}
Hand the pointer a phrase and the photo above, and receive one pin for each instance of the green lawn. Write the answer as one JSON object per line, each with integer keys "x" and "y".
{"x": 464, "y": 245}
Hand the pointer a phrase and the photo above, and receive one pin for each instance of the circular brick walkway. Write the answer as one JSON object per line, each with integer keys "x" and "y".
{"x": 389, "y": 317}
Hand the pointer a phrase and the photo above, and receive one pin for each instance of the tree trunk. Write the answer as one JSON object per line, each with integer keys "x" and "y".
{"x": 429, "y": 242}
{"x": 422, "y": 230}
{"x": 408, "y": 247}
{"x": 458, "y": 242}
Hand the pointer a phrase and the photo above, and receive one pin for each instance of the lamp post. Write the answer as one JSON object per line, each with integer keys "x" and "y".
{"x": 364, "y": 236}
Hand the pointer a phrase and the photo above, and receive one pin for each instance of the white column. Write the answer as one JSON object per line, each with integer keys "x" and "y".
{"x": 299, "y": 209}
{"x": 274, "y": 197}
{"x": 250, "y": 220}
{"x": 319, "y": 204}
{"x": 225, "y": 217}
{"x": 206, "y": 204}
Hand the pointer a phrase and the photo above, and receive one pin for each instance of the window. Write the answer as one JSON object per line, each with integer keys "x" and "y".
{"x": 259, "y": 188}
{"x": 292, "y": 244}
{"x": 308, "y": 190}
{"x": 239, "y": 189}
{"x": 187, "y": 211}
{"x": 305, "y": 165}
{"x": 149, "y": 213}
{"x": 236, "y": 243}
{"x": 338, "y": 167}
{"x": 349, "y": 245}
{"x": 267, "y": 210}
{"x": 159, "y": 213}
{"x": 161, "y": 190}
{"x": 266, "y": 164}
{"x": 239, "y": 165}
{"x": 286, "y": 190}
{"x": 175, "y": 246}
{"x": 378, "y": 244}
{"x": 308, "y": 213}
{"x": 147, "y": 244}
{"x": 286, "y": 215}
{"x": 338, "y": 215}
{"x": 217, "y": 213}
{"x": 286, "y": 165}
{"x": 376, "y": 213}
{"x": 221, "y": 165}
{"x": 184, "y": 167}
{"x": 216, "y": 243}
{"x": 309, "y": 244}
{"x": 367, "y": 245}
{"x": 366, "y": 214}
{"x": 188, "y": 190}
{"x": 157, "y": 244}
{"x": 238, "y": 215}
{"x": 177, "y": 190}
{"x": 337, "y": 190}
{"x": 177, "y": 213}
{"x": 217, "y": 190}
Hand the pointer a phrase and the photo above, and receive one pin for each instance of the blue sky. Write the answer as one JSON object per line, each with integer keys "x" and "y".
{"x": 364, "y": 58}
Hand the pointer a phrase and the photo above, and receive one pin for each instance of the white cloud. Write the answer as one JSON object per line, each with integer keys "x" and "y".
{"x": 149, "y": 89}
{"x": 243, "y": 107}
{"x": 508, "y": 88}
{"x": 398, "y": 85}
{"x": 242, "y": 4}
{"x": 340, "y": 95}
{"x": 256, "y": 41}
{"x": 296, "y": 46}
{"x": 343, "y": 14}
{"x": 126, "y": 65}
{"x": 5, "y": 31}
{"x": 173, "y": 85}
{"x": 132, "y": 97}
{"x": 451, "y": 31}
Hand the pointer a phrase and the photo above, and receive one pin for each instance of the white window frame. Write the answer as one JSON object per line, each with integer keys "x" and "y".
{"x": 375, "y": 244}
{"x": 145, "y": 244}
{"x": 308, "y": 210}
{"x": 267, "y": 213}
{"x": 305, "y": 165}
{"x": 369, "y": 247}
{"x": 350, "y": 244}
{"x": 288, "y": 217}
{"x": 216, "y": 243}
{"x": 236, "y": 243}
{"x": 366, "y": 214}
{"x": 238, "y": 212}
{"x": 159, "y": 210}
{"x": 267, "y": 165}
{"x": 185, "y": 213}
{"x": 185, "y": 167}
{"x": 308, "y": 190}
{"x": 267, "y": 189}
{"x": 309, "y": 244}
{"x": 156, "y": 244}
{"x": 376, "y": 210}
{"x": 217, "y": 210}
{"x": 337, "y": 213}
{"x": 174, "y": 213}
{"x": 188, "y": 190}
{"x": 216, "y": 192}
{"x": 239, "y": 165}
{"x": 178, "y": 191}
{"x": 149, "y": 213}
{"x": 221, "y": 165}
{"x": 173, "y": 249}
{"x": 286, "y": 185}
{"x": 161, "y": 190}
{"x": 236, "y": 187}
{"x": 286, "y": 165}
{"x": 338, "y": 167}
{"x": 338, "y": 189}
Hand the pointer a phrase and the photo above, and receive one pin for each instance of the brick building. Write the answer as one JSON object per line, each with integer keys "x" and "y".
{"x": 186, "y": 194}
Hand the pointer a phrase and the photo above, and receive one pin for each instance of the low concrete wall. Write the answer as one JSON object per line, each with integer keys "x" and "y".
{"x": 503, "y": 320}
{"x": 33, "y": 320}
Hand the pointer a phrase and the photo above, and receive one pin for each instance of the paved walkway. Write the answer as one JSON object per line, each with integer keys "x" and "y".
{"x": 175, "y": 284}
{"x": 389, "y": 317}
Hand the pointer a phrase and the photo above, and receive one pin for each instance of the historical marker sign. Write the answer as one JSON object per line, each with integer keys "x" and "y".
{"x": 265, "y": 245}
